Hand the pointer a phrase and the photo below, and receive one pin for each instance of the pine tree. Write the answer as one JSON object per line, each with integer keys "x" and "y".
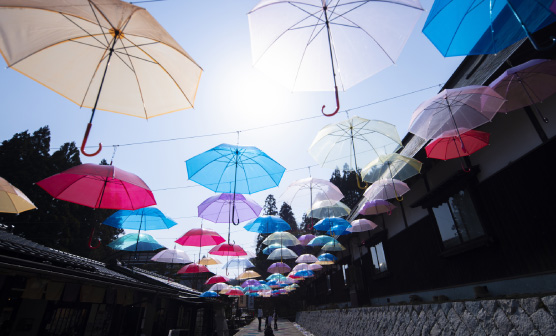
{"x": 287, "y": 215}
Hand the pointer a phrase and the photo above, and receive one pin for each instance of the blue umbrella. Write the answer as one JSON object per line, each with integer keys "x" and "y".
{"x": 272, "y": 247}
{"x": 140, "y": 219}
{"x": 136, "y": 242}
{"x": 339, "y": 230}
{"x": 238, "y": 262}
{"x": 321, "y": 240}
{"x": 327, "y": 223}
{"x": 209, "y": 294}
{"x": 326, "y": 259}
{"x": 476, "y": 27}
{"x": 267, "y": 224}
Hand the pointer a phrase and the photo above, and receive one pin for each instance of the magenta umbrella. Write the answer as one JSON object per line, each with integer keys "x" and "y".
{"x": 216, "y": 279}
{"x": 231, "y": 250}
{"x": 200, "y": 237}
{"x": 377, "y": 206}
{"x": 279, "y": 267}
{"x": 218, "y": 208}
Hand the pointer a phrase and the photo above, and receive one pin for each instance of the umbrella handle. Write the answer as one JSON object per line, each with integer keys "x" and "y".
{"x": 91, "y": 240}
{"x": 89, "y": 125}
{"x": 337, "y": 105}
{"x": 359, "y": 184}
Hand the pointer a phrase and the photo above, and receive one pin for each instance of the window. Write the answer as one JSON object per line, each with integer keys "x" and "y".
{"x": 457, "y": 220}
{"x": 379, "y": 261}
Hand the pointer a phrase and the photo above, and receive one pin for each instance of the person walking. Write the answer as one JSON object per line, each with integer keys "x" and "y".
{"x": 260, "y": 317}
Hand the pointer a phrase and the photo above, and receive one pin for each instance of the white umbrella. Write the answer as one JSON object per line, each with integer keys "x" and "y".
{"x": 360, "y": 225}
{"x": 282, "y": 253}
{"x": 306, "y": 258}
{"x": 172, "y": 256}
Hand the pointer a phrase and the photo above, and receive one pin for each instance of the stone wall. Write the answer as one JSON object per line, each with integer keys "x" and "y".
{"x": 525, "y": 316}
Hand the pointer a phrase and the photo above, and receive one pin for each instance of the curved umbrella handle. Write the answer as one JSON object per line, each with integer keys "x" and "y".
{"x": 89, "y": 125}
{"x": 337, "y": 105}
{"x": 91, "y": 240}
{"x": 359, "y": 184}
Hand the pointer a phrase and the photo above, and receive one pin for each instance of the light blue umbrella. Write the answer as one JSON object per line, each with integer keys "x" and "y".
{"x": 326, "y": 259}
{"x": 272, "y": 247}
{"x": 140, "y": 219}
{"x": 136, "y": 242}
{"x": 327, "y": 223}
{"x": 339, "y": 230}
{"x": 209, "y": 294}
{"x": 238, "y": 262}
{"x": 321, "y": 240}
{"x": 476, "y": 27}
{"x": 267, "y": 224}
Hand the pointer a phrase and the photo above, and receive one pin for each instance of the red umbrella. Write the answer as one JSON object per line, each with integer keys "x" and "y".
{"x": 193, "y": 268}
{"x": 231, "y": 250}
{"x": 200, "y": 237}
{"x": 99, "y": 187}
{"x": 449, "y": 145}
{"x": 216, "y": 279}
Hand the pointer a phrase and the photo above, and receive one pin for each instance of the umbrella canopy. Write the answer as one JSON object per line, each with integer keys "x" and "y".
{"x": 313, "y": 189}
{"x": 225, "y": 249}
{"x": 172, "y": 256}
{"x": 219, "y": 286}
{"x": 267, "y": 224}
{"x": 248, "y": 275}
{"x": 305, "y": 274}
{"x": 234, "y": 169}
{"x": 282, "y": 238}
{"x": 209, "y": 294}
{"x": 326, "y": 259}
{"x": 301, "y": 266}
{"x": 386, "y": 189}
{"x": 466, "y": 107}
{"x": 104, "y": 54}
{"x": 322, "y": 209}
{"x": 233, "y": 291}
{"x": 238, "y": 262}
{"x": 136, "y": 242}
{"x": 216, "y": 279}
{"x": 315, "y": 267}
{"x": 12, "y": 200}
{"x": 218, "y": 208}
{"x": 140, "y": 219}
{"x": 200, "y": 237}
{"x": 352, "y": 141}
{"x": 361, "y": 225}
{"x": 276, "y": 277}
{"x": 321, "y": 240}
{"x": 452, "y": 145}
{"x": 316, "y": 45}
{"x": 526, "y": 84}
{"x": 339, "y": 230}
{"x": 271, "y": 247}
{"x": 250, "y": 282}
{"x": 391, "y": 165}
{"x": 472, "y": 27}
{"x": 279, "y": 267}
{"x": 333, "y": 246}
{"x": 327, "y": 223}
{"x": 193, "y": 268}
{"x": 306, "y": 258}
{"x": 282, "y": 253}
{"x": 99, "y": 187}
{"x": 207, "y": 261}
{"x": 376, "y": 206}
{"x": 305, "y": 239}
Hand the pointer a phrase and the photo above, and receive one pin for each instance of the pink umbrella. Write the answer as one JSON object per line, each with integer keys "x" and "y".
{"x": 300, "y": 267}
{"x": 386, "y": 189}
{"x": 225, "y": 249}
{"x": 99, "y": 187}
{"x": 305, "y": 239}
{"x": 200, "y": 237}
{"x": 279, "y": 267}
{"x": 377, "y": 206}
{"x": 360, "y": 225}
{"x": 315, "y": 267}
{"x": 193, "y": 268}
{"x": 218, "y": 208}
{"x": 306, "y": 258}
{"x": 216, "y": 279}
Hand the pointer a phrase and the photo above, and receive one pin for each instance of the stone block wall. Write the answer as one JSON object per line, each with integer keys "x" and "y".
{"x": 525, "y": 316}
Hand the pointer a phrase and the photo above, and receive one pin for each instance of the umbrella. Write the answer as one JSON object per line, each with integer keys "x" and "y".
{"x": 376, "y": 206}
{"x": 282, "y": 238}
{"x": 339, "y": 230}
{"x": 207, "y": 261}
{"x": 306, "y": 258}
{"x": 304, "y": 44}
{"x": 234, "y": 292}
{"x": 216, "y": 279}
{"x": 109, "y": 55}
{"x": 172, "y": 256}
{"x": 219, "y": 286}
{"x": 315, "y": 267}
{"x": 471, "y": 27}
{"x": 301, "y": 266}
{"x": 353, "y": 140}
{"x": 326, "y": 224}
{"x": 250, "y": 282}
{"x": 282, "y": 253}
{"x": 218, "y": 208}
{"x": 450, "y": 145}
{"x": 321, "y": 209}
{"x": 136, "y": 242}
{"x": 250, "y": 289}
{"x": 466, "y": 107}
{"x": 271, "y": 247}
{"x": 193, "y": 268}
{"x": 279, "y": 267}
{"x": 276, "y": 277}
{"x": 386, "y": 189}
{"x": 230, "y": 250}
{"x": 305, "y": 239}
{"x": 238, "y": 262}
{"x": 391, "y": 165}
{"x": 200, "y": 237}
{"x": 209, "y": 294}
{"x": 333, "y": 246}
{"x": 526, "y": 84}
{"x": 248, "y": 275}
{"x": 321, "y": 240}
{"x": 305, "y": 274}
{"x": 12, "y": 200}
{"x": 267, "y": 224}
{"x": 140, "y": 219}
{"x": 316, "y": 189}
{"x": 361, "y": 225}
{"x": 326, "y": 259}
{"x": 99, "y": 187}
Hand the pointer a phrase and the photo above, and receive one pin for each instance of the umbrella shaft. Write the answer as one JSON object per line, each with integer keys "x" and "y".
{"x": 111, "y": 51}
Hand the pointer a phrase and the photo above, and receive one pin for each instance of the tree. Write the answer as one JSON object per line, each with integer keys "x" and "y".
{"x": 287, "y": 215}
{"x": 269, "y": 207}
{"x": 347, "y": 184}
{"x": 26, "y": 159}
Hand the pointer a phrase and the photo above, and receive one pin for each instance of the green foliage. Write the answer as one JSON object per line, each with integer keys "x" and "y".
{"x": 287, "y": 215}
{"x": 26, "y": 159}
{"x": 347, "y": 183}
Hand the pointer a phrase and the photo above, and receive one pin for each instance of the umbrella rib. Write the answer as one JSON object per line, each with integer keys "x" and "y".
{"x": 132, "y": 68}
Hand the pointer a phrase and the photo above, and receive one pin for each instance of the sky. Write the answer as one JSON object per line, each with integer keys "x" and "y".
{"x": 235, "y": 103}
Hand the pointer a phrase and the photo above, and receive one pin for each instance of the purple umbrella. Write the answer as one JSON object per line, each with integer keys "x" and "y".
{"x": 250, "y": 282}
{"x": 305, "y": 239}
{"x": 218, "y": 208}
{"x": 279, "y": 267}
{"x": 376, "y": 207}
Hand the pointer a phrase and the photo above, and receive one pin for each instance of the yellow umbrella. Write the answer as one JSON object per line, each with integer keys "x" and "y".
{"x": 209, "y": 261}
{"x": 392, "y": 166}
{"x": 248, "y": 275}
{"x": 12, "y": 200}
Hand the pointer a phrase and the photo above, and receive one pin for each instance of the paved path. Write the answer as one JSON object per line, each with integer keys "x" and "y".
{"x": 285, "y": 328}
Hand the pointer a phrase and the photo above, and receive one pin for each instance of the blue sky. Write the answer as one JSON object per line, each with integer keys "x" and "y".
{"x": 232, "y": 97}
